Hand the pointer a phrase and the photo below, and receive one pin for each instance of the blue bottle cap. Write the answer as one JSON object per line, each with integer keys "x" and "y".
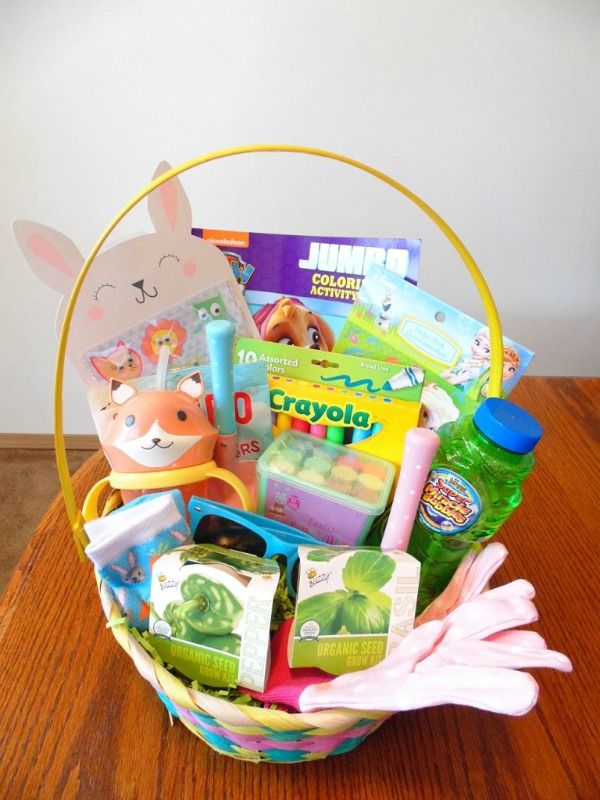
{"x": 508, "y": 425}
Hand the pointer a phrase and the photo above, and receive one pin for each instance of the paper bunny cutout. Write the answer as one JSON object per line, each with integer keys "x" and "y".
{"x": 131, "y": 281}
{"x": 463, "y": 650}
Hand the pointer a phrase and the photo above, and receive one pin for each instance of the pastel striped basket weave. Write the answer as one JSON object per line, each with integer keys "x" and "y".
{"x": 242, "y": 731}
{"x": 245, "y": 732}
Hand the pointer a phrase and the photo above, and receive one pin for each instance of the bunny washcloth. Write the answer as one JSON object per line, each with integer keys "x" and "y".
{"x": 463, "y": 651}
{"x": 125, "y": 544}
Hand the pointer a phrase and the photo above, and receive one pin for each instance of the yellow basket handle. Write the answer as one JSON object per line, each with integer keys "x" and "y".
{"x": 493, "y": 321}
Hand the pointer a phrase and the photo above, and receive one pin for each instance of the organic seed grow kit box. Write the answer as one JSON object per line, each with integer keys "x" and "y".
{"x": 354, "y": 606}
{"x": 210, "y": 614}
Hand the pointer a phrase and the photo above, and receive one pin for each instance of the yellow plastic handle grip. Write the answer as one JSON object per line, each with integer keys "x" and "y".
{"x": 493, "y": 321}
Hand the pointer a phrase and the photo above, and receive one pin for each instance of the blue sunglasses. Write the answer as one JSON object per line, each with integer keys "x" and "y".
{"x": 215, "y": 523}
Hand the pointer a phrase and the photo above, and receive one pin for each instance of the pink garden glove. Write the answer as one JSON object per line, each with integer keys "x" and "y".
{"x": 463, "y": 650}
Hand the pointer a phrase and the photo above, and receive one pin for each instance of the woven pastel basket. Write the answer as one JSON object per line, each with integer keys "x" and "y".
{"x": 242, "y": 731}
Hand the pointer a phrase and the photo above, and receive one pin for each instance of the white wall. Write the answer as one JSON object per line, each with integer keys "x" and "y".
{"x": 488, "y": 110}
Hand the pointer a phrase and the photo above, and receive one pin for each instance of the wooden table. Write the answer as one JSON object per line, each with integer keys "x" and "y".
{"x": 76, "y": 720}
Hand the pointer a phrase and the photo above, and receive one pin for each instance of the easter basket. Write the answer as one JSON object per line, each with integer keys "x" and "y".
{"x": 253, "y": 732}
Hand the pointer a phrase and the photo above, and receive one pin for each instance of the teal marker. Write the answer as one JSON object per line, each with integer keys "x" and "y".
{"x": 219, "y": 340}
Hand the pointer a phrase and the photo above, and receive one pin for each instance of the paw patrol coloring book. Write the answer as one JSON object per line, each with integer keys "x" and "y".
{"x": 300, "y": 288}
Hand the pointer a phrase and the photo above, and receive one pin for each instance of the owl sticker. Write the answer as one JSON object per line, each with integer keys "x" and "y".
{"x": 207, "y": 310}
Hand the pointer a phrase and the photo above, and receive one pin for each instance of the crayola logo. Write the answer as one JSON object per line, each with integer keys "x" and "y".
{"x": 314, "y": 412}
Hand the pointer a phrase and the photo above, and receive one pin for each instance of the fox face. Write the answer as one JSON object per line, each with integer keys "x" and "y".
{"x": 159, "y": 429}
{"x": 122, "y": 364}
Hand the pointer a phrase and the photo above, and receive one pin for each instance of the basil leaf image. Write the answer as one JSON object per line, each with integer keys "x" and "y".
{"x": 361, "y": 615}
{"x": 322, "y": 554}
{"x": 323, "y": 609}
{"x": 367, "y": 571}
{"x": 381, "y": 599}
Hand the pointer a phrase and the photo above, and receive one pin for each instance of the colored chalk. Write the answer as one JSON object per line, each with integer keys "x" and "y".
{"x": 310, "y": 476}
{"x": 370, "y": 468}
{"x": 355, "y": 463}
{"x": 335, "y": 434}
{"x": 343, "y": 473}
{"x": 343, "y": 487}
{"x": 300, "y": 425}
{"x": 287, "y": 464}
{"x": 325, "y": 489}
{"x": 320, "y": 464}
{"x": 367, "y": 496}
{"x": 371, "y": 482}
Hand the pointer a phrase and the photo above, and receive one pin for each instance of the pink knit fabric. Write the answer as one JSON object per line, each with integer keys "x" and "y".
{"x": 285, "y": 685}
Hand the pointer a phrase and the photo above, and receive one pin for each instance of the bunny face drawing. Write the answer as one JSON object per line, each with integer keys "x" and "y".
{"x": 130, "y": 282}
{"x": 135, "y": 574}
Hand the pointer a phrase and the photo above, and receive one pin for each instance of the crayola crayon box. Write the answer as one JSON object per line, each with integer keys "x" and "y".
{"x": 398, "y": 381}
{"x": 300, "y": 288}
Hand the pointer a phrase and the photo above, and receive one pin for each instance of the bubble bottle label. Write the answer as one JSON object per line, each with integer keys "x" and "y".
{"x": 449, "y": 503}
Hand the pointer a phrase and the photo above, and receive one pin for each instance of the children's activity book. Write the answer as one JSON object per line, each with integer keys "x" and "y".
{"x": 300, "y": 288}
{"x": 394, "y": 320}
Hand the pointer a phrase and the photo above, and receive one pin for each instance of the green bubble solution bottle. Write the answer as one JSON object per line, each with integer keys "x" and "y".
{"x": 473, "y": 487}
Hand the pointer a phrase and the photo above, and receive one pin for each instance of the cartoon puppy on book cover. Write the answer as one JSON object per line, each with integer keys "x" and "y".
{"x": 288, "y": 321}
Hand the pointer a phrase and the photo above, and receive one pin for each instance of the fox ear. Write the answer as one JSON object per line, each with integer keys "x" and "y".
{"x": 169, "y": 206}
{"x": 120, "y": 392}
{"x": 192, "y": 385}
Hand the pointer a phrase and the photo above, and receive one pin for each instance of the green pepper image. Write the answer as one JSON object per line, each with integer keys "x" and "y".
{"x": 210, "y": 554}
{"x": 324, "y": 609}
{"x": 361, "y": 615}
{"x": 227, "y": 644}
{"x": 208, "y": 607}
{"x": 180, "y": 628}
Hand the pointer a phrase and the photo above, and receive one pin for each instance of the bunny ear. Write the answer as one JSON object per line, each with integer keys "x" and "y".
{"x": 52, "y": 256}
{"x": 169, "y": 206}
{"x": 193, "y": 386}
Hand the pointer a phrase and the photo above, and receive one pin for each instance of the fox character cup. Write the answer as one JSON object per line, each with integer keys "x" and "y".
{"x": 158, "y": 430}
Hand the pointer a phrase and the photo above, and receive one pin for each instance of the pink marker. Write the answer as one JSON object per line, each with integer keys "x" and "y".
{"x": 320, "y": 431}
{"x": 420, "y": 447}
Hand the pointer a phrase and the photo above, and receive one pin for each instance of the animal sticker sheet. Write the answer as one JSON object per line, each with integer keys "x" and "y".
{"x": 394, "y": 320}
{"x": 134, "y": 353}
{"x": 300, "y": 288}
{"x": 133, "y": 283}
